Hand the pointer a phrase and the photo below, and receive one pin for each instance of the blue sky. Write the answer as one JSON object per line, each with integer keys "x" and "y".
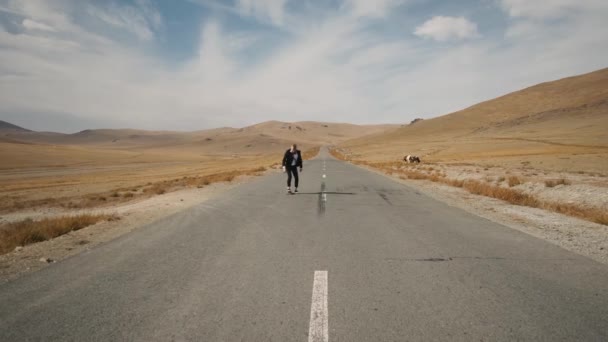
{"x": 67, "y": 65}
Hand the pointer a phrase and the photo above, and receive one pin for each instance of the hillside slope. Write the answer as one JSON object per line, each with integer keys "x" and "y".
{"x": 7, "y": 127}
{"x": 560, "y": 119}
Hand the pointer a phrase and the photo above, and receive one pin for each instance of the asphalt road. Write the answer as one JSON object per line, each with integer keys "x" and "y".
{"x": 353, "y": 257}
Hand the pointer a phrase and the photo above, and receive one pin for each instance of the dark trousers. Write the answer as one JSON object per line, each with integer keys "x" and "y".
{"x": 292, "y": 170}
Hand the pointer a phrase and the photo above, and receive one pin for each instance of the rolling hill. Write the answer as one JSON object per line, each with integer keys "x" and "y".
{"x": 261, "y": 135}
{"x": 566, "y": 119}
{"x": 6, "y": 127}
{"x": 48, "y": 148}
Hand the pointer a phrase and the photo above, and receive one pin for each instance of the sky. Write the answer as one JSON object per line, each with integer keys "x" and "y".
{"x": 68, "y": 65}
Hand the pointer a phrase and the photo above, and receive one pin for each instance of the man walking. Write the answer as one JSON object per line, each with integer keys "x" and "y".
{"x": 291, "y": 161}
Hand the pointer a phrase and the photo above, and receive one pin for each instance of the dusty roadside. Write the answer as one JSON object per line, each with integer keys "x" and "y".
{"x": 576, "y": 235}
{"x": 132, "y": 215}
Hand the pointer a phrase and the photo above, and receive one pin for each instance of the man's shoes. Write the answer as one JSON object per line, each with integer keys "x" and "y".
{"x": 296, "y": 190}
{"x": 288, "y": 190}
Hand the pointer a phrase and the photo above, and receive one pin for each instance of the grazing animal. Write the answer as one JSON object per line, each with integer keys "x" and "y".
{"x": 411, "y": 159}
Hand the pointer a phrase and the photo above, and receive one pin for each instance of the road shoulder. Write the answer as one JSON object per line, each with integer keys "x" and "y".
{"x": 130, "y": 216}
{"x": 579, "y": 236}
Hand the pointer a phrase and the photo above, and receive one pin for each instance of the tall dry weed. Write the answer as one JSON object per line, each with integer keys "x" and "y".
{"x": 28, "y": 231}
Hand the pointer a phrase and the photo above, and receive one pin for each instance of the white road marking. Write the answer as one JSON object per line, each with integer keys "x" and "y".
{"x": 324, "y": 176}
{"x": 324, "y": 197}
{"x": 319, "y": 327}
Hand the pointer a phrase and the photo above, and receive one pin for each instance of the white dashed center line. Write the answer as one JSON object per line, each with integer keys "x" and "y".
{"x": 319, "y": 326}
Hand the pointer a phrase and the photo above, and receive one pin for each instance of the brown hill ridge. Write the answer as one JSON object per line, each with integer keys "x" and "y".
{"x": 261, "y": 135}
{"x": 6, "y": 127}
{"x": 28, "y": 148}
{"x": 560, "y": 118}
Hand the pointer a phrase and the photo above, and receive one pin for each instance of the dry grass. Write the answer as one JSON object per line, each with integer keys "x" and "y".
{"x": 508, "y": 195}
{"x": 29, "y": 231}
{"x": 589, "y": 214}
{"x": 311, "y": 153}
{"x": 550, "y": 183}
{"x": 512, "y": 196}
{"x": 338, "y": 154}
{"x": 121, "y": 195}
{"x": 514, "y": 181}
{"x": 196, "y": 176}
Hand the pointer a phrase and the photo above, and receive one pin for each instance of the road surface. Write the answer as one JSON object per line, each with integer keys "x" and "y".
{"x": 353, "y": 257}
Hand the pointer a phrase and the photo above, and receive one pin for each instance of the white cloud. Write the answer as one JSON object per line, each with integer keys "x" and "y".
{"x": 34, "y": 25}
{"x": 551, "y": 8}
{"x": 272, "y": 10}
{"x": 51, "y": 13}
{"x": 367, "y": 8}
{"x": 335, "y": 68}
{"x": 442, "y": 28}
{"x": 141, "y": 20}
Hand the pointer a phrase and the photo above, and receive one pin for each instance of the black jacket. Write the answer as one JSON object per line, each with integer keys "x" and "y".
{"x": 288, "y": 158}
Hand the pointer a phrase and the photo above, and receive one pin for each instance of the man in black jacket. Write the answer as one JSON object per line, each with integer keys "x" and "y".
{"x": 291, "y": 161}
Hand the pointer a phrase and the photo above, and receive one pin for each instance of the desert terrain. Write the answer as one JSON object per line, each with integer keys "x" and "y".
{"x": 88, "y": 168}
{"x": 543, "y": 149}
{"x": 49, "y": 181}
{"x": 517, "y": 159}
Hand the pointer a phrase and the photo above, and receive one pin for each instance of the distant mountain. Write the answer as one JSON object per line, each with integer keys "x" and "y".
{"x": 256, "y": 139}
{"x": 7, "y": 127}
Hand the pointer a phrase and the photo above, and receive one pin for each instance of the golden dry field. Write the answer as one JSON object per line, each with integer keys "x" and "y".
{"x": 96, "y": 168}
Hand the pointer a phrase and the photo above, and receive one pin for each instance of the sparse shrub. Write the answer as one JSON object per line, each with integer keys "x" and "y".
{"x": 509, "y": 195}
{"x": 514, "y": 181}
{"x": 500, "y": 179}
{"x": 115, "y": 194}
{"x": 128, "y": 195}
{"x": 550, "y": 183}
{"x": 512, "y": 196}
{"x": 458, "y": 183}
{"x": 29, "y": 231}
